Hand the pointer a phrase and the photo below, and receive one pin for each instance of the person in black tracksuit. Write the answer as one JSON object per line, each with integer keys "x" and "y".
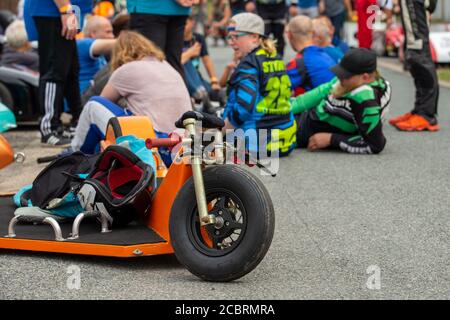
{"x": 418, "y": 56}
{"x": 56, "y": 25}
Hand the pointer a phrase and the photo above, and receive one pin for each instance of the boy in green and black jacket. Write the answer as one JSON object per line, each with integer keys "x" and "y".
{"x": 345, "y": 113}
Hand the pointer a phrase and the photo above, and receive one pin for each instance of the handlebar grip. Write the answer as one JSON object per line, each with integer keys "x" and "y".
{"x": 46, "y": 159}
{"x": 163, "y": 142}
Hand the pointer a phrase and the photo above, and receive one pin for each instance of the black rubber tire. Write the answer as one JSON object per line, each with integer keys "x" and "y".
{"x": 5, "y": 96}
{"x": 255, "y": 241}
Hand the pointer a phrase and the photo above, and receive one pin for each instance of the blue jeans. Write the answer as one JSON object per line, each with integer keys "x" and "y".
{"x": 338, "y": 23}
{"x": 194, "y": 81}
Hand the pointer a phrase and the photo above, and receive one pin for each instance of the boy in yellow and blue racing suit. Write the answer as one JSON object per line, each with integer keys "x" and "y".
{"x": 259, "y": 90}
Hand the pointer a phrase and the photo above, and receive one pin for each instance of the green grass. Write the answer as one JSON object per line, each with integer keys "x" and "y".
{"x": 444, "y": 74}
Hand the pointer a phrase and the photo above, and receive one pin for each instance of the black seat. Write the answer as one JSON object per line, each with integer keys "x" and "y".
{"x": 208, "y": 121}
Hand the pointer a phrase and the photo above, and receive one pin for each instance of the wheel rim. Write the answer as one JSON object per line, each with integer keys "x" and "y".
{"x": 222, "y": 238}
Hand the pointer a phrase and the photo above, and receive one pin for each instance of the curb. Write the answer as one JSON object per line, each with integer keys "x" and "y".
{"x": 399, "y": 68}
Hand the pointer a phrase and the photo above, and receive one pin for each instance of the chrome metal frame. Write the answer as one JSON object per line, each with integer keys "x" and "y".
{"x": 89, "y": 214}
{"x": 48, "y": 220}
{"x": 196, "y": 164}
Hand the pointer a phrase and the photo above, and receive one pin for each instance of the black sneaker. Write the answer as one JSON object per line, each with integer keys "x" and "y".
{"x": 55, "y": 140}
{"x": 69, "y": 132}
{"x": 210, "y": 106}
{"x": 66, "y": 131}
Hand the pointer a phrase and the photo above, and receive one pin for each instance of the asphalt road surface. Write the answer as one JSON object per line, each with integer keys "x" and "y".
{"x": 341, "y": 221}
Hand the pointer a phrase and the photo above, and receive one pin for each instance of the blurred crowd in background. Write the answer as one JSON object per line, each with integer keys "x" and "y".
{"x": 78, "y": 64}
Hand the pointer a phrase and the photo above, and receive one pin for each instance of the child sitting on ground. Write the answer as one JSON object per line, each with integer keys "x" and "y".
{"x": 346, "y": 112}
{"x": 259, "y": 90}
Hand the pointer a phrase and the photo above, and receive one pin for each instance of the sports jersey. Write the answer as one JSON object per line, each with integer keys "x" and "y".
{"x": 258, "y": 98}
{"x": 335, "y": 53}
{"x": 355, "y": 119}
{"x": 89, "y": 64}
{"x": 309, "y": 69}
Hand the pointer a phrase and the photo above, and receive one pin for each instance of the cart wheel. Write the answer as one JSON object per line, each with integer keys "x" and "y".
{"x": 243, "y": 232}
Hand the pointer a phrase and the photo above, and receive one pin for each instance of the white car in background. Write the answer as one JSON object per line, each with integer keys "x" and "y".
{"x": 440, "y": 46}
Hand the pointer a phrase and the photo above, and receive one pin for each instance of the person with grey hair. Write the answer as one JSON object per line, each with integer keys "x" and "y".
{"x": 311, "y": 66}
{"x": 18, "y": 51}
{"x": 337, "y": 11}
{"x": 322, "y": 39}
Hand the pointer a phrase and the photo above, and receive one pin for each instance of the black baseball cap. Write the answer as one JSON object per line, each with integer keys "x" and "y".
{"x": 356, "y": 61}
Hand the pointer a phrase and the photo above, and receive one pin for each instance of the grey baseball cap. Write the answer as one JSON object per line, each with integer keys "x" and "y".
{"x": 248, "y": 22}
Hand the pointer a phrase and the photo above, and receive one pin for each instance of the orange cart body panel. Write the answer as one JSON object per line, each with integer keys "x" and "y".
{"x": 164, "y": 198}
{"x": 6, "y": 153}
{"x": 139, "y": 126}
{"x": 158, "y": 220}
{"x": 137, "y": 250}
